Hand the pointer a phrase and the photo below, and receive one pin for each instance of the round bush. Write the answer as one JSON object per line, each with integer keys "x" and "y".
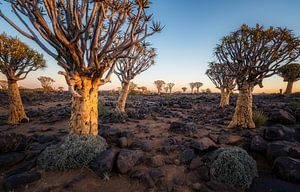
{"x": 234, "y": 167}
{"x": 73, "y": 152}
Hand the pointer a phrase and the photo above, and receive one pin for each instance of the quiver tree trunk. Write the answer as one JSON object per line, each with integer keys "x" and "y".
{"x": 16, "y": 109}
{"x": 289, "y": 88}
{"x": 84, "y": 112}
{"x": 225, "y": 95}
{"x": 243, "y": 111}
{"x": 120, "y": 107}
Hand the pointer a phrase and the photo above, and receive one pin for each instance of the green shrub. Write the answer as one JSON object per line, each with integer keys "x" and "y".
{"x": 259, "y": 118}
{"x": 233, "y": 166}
{"x": 73, "y": 152}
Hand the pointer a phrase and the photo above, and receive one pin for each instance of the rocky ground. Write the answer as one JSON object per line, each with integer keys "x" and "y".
{"x": 161, "y": 145}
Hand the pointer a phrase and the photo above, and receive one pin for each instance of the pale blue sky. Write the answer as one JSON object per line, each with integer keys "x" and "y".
{"x": 192, "y": 29}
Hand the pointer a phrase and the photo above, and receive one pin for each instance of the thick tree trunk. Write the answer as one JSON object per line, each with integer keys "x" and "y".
{"x": 243, "y": 111}
{"x": 84, "y": 112}
{"x": 289, "y": 88}
{"x": 225, "y": 95}
{"x": 122, "y": 98}
{"x": 16, "y": 109}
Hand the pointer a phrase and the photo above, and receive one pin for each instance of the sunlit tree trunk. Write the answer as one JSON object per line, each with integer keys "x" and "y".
{"x": 225, "y": 95}
{"x": 16, "y": 109}
{"x": 123, "y": 97}
{"x": 84, "y": 112}
{"x": 289, "y": 88}
{"x": 243, "y": 111}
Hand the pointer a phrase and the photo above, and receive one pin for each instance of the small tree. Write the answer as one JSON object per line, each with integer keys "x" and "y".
{"x": 47, "y": 83}
{"x": 198, "y": 85}
{"x": 222, "y": 78}
{"x": 16, "y": 61}
{"x": 192, "y": 86}
{"x": 86, "y": 38}
{"x": 253, "y": 54}
{"x": 139, "y": 60}
{"x": 3, "y": 84}
{"x": 143, "y": 89}
{"x": 290, "y": 73}
{"x": 166, "y": 88}
{"x": 184, "y": 89}
{"x": 170, "y": 85}
{"x": 159, "y": 85}
{"x": 60, "y": 89}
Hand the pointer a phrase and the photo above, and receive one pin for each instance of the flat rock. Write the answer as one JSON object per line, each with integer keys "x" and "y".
{"x": 283, "y": 148}
{"x": 127, "y": 159}
{"x": 18, "y": 180}
{"x": 7, "y": 160}
{"x": 279, "y": 132}
{"x": 202, "y": 145}
{"x": 287, "y": 168}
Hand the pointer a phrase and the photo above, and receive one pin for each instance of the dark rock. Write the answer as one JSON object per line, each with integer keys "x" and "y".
{"x": 12, "y": 142}
{"x": 110, "y": 134}
{"x": 230, "y": 139}
{"x": 147, "y": 181}
{"x": 287, "y": 168}
{"x": 195, "y": 163}
{"x": 156, "y": 161}
{"x": 46, "y": 139}
{"x": 103, "y": 162}
{"x": 18, "y": 180}
{"x": 196, "y": 186}
{"x": 283, "y": 117}
{"x": 23, "y": 167}
{"x": 258, "y": 144}
{"x": 123, "y": 142}
{"x": 129, "y": 137}
{"x": 297, "y": 114}
{"x": 141, "y": 144}
{"x": 283, "y": 148}
{"x": 202, "y": 145}
{"x": 279, "y": 132}
{"x": 262, "y": 184}
{"x": 187, "y": 155}
{"x": 156, "y": 173}
{"x": 9, "y": 159}
{"x": 127, "y": 159}
{"x": 203, "y": 173}
{"x": 183, "y": 128}
{"x": 215, "y": 186}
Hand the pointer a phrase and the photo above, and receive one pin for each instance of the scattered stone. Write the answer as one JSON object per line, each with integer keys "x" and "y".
{"x": 111, "y": 135}
{"x": 196, "y": 186}
{"x": 123, "y": 142}
{"x": 279, "y": 132}
{"x": 18, "y": 180}
{"x": 141, "y": 144}
{"x": 230, "y": 139}
{"x": 283, "y": 117}
{"x": 195, "y": 163}
{"x": 287, "y": 168}
{"x": 156, "y": 161}
{"x": 283, "y": 148}
{"x": 183, "y": 128}
{"x": 202, "y": 145}
{"x": 127, "y": 159}
{"x": 258, "y": 144}
{"x": 103, "y": 162}
{"x": 7, "y": 160}
{"x": 23, "y": 167}
{"x": 12, "y": 142}
{"x": 187, "y": 155}
{"x": 156, "y": 173}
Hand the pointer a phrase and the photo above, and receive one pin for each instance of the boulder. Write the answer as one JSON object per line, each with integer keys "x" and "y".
{"x": 12, "y": 142}
{"x": 202, "y": 145}
{"x": 283, "y": 117}
{"x": 127, "y": 159}
{"x": 258, "y": 144}
{"x": 18, "y": 180}
{"x": 156, "y": 161}
{"x": 187, "y": 155}
{"x": 279, "y": 132}
{"x": 183, "y": 128}
{"x": 103, "y": 162}
{"x": 8, "y": 160}
{"x": 283, "y": 148}
{"x": 287, "y": 168}
{"x": 142, "y": 145}
{"x": 230, "y": 139}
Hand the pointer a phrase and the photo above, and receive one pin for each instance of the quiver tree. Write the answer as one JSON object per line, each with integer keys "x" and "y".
{"x": 3, "y": 84}
{"x": 85, "y": 37}
{"x": 139, "y": 60}
{"x": 184, "y": 89}
{"x": 143, "y": 89}
{"x": 290, "y": 74}
{"x": 222, "y": 78}
{"x": 60, "y": 89}
{"x": 166, "y": 88}
{"x": 170, "y": 85}
{"x": 159, "y": 85}
{"x": 253, "y": 54}
{"x": 192, "y": 86}
{"x": 47, "y": 83}
{"x": 16, "y": 61}
{"x": 198, "y": 85}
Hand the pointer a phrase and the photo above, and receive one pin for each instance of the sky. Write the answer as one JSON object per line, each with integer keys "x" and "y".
{"x": 185, "y": 46}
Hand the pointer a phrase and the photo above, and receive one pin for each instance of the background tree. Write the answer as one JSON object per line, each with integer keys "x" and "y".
{"x": 192, "y": 86}
{"x": 16, "y": 61}
{"x": 139, "y": 60}
{"x": 253, "y": 54}
{"x": 85, "y": 37}
{"x": 198, "y": 85}
{"x": 166, "y": 88}
{"x": 222, "y": 78}
{"x": 290, "y": 73}
{"x": 3, "y": 84}
{"x": 184, "y": 89}
{"x": 159, "y": 85}
{"x": 143, "y": 89}
{"x": 47, "y": 83}
{"x": 170, "y": 85}
{"x": 60, "y": 89}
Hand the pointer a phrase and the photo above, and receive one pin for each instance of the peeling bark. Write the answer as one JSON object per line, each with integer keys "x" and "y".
{"x": 225, "y": 95}
{"x": 16, "y": 109}
{"x": 84, "y": 112}
{"x": 122, "y": 98}
{"x": 289, "y": 88}
{"x": 243, "y": 111}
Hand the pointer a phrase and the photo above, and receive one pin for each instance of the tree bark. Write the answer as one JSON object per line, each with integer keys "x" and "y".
{"x": 225, "y": 95}
{"x": 289, "y": 88}
{"x": 84, "y": 112}
{"x": 16, "y": 109}
{"x": 243, "y": 111}
{"x": 123, "y": 97}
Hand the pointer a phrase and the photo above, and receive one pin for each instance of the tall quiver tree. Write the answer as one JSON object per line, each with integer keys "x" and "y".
{"x": 198, "y": 85}
{"x": 139, "y": 60}
{"x": 290, "y": 74}
{"x": 159, "y": 85}
{"x": 16, "y": 61}
{"x": 170, "y": 86}
{"x": 253, "y": 54}
{"x": 85, "y": 37}
{"x": 192, "y": 86}
{"x": 222, "y": 78}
